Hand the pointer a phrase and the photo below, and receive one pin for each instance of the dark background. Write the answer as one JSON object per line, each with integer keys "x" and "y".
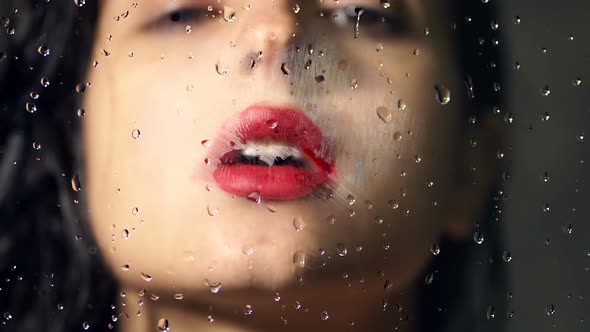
{"x": 550, "y": 249}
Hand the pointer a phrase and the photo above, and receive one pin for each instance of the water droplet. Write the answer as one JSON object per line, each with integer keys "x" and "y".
{"x": 324, "y": 315}
{"x": 212, "y": 211}
{"x": 285, "y": 69}
{"x": 75, "y": 182}
{"x": 136, "y": 134}
{"x": 429, "y": 278}
{"x": 299, "y": 259}
{"x": 354, "y": 83}
{"x": 577, "y": 81}
{"x": 351, "y": 199}
{"x": 550, "y": 309}
{"x": 443, "y": 94}
{"x": 146, "y": 276}
{"x": 508, "y": 118}
{"x": 545, "y": 91}
{"x": 214, "y": 287}
{"x": 7, "y": 316}
{"x": 248, "y": 310}
{"x": 296, "y": 8}
{"x": 545, "y": 117}
{"x": 125, "y": 234}
{"x": 277, "y": 297}
{"x": 80, "y": 3}
{"x": 163, "y": 325}
{"x": 379, "y": 47}
{"x": 494, "y": 25}
{"x": 85, "y": 325}
{"x": 81, "y": 87}
{"x": 384, "y": 114}
{"x": 125, "y": 267}
{"x": 298, "y": 223}
{"x": 255, "y": 197}
{"x": 43, "y": 50}
{"x": 401, "y": 105}
{"x": 435, "y": 249}
{"x": 393, "y": 204}
{"x": 491, "y": 312}
{"x": 320, "y": 78}
{"x": 220, "y": 70}
{"x": 80, "y": 112}
{"x": 506, "y": 256}
{"x": 359, "y": 12}
{"x": 580, "y": 137}
{"x": 229, "y": 14}
{"x": 36, "y": 146}
{"x": 31, "y": 107}
{"x": 307, "y": 64}
{"x": 478, "y": 237}
{"x": 517, "y": 20}
{"x": 342, "y": 250}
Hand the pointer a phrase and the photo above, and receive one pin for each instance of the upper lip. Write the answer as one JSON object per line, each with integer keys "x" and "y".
{"x": 284, "y": 125}
{"x": 296, "y": 155}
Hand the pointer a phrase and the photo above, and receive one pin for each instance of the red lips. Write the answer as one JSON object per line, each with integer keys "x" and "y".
{"x": 281, "y": 181}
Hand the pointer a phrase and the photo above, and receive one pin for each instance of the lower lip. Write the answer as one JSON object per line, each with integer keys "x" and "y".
{"x": 276, "y": 182}
{"x": 270, "y": 182}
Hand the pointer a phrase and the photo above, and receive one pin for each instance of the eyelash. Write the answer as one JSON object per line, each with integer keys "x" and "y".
{"x": 185, "y": 16}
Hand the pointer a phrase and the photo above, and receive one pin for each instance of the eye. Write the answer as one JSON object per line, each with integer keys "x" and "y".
{"x": 375, "y": 22}
{"x": 179, "y": 17}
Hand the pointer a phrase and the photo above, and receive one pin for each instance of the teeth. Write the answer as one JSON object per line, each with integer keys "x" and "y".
{"x": 268, "y": 152}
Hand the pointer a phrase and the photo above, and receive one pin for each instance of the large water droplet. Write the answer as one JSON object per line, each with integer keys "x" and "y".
{"x": 435, "y": 249}
{"x": 248, "y": 310}
{"x": 342, "y": 250}
{"x": 45, "y": 82}
{"x": 221, "y": 70}
{"x": 229, "y": 14}
{"x": 285, "y": 69}
{"x": 298, "y": 223}
{"x": 443, "y": 94}
{"x": 384, "y": 114}
{"x": 163, "y": 325}
{"x": 550, "y": 309}
{"x": 31, "y": 107}
{"x": 43, "y": 50}
{"x": 299, "y": 259}
{"x": 214, "y": 287}
{"x": 324, "y": 315}
{"x": 478, "y": 237}
{"x": 146, "y": 276}
{"x": 75, "y": 182}
{"x": 80, "y": 3}
{"x": 125, "y": 234}
{"x": 491, "y": 312}
{"x": 136, "y": 134}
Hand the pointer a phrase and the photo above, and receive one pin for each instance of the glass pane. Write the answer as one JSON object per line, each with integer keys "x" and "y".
{"x": 323, "y": 165}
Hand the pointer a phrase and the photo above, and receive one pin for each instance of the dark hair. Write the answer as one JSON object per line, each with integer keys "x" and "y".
{"x": 52, "y": 278}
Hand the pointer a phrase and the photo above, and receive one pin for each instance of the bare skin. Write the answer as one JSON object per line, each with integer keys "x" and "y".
{"x": 165, "y": 227}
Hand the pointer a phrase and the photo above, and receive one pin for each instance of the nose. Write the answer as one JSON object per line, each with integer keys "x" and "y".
{"x": 269, "y": 29}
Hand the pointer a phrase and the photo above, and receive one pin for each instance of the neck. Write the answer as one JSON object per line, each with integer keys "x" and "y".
{"x": 298, "y": 309}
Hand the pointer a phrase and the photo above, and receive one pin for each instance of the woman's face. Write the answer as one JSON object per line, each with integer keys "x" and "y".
{"x": 178, "y": 85}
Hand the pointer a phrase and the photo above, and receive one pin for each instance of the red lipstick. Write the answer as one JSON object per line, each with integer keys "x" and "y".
{"x": 288, "y": 177}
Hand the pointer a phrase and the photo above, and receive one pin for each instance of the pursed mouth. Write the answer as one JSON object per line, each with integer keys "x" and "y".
{"x": 281, "y": 155}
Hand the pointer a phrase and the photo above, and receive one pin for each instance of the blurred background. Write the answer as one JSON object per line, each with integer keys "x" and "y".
{"x": 547, "y": 214}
